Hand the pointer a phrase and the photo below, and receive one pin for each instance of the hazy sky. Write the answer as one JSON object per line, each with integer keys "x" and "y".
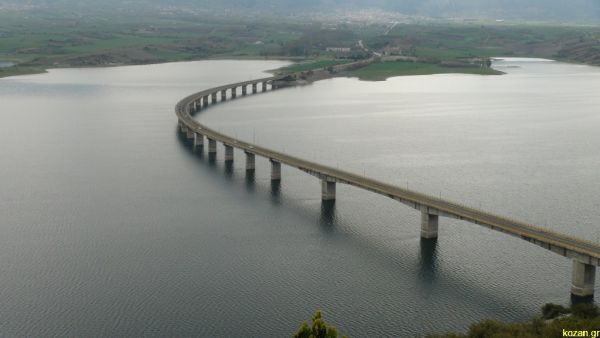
{"x": 544, "y": 10}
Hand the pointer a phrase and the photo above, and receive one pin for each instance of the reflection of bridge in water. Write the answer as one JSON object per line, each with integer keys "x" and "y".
{"x": 584, "y": 254}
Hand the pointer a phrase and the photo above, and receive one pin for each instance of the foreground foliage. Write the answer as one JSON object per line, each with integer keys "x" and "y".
{"x": 554, "y": 322}
{"x": 319, "y": 329}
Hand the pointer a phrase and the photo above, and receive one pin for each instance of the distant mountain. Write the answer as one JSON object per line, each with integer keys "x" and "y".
{"x": 539, "y": 10}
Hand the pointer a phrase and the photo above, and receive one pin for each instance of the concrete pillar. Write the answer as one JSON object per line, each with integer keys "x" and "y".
{"x": 213, "y": 98}
{"x": 264, "y": 86}
{"x": 228, "y": 153}
{"x": 327, "y": 190}
{"x": 205, "y": 101}
{"x": 429, "y": 225}
{"x": 275, "y": 171}
{"x": 223, "y": 95}
{"x": 254, "y": 88}
{"x": 199, "y": 141}
{"x": 212, "y": 146}
{"x": 583, "y": 279}
{"x": 181, "y": 127}
{"x": 233, "y": 92}
{"x": 244, "y": 90}
{"x": 250, "y": 161}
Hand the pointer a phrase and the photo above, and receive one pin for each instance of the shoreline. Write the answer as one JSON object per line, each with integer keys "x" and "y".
{"x": 19, "y": 70}
{"x": 24, "y": 69}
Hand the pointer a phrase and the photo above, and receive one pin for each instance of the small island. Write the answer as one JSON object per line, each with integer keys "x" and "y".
{"x": 383, "y": 70}
{"x": 378, "y": 70}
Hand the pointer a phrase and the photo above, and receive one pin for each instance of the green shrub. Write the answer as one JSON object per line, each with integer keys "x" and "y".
{"x": 585, "y": 311}
{"x": 551, "y": 311}
{"x": 319, "y": 329}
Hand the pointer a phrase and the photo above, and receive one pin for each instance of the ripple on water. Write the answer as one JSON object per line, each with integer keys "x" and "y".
{"x": 112, "y": 226}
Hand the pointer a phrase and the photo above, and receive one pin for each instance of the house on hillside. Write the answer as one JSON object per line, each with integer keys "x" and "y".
{"x": 338, "y": 49}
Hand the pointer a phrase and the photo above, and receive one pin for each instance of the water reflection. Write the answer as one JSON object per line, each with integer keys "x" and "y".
{"x": 328, "y": 217}
{"x": 228, "y": 169}
{"x": 575, "y": 300}
{"x": 250, "y": 180}
{"x": 212, "y": 159}
{"x": 428, "y": 260}
{"x": 276, "y": 191}
{"x": 198, "y": 149}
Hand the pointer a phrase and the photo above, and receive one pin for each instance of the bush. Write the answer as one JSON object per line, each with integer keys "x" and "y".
{"x": 319, "y": 329}
{"x": 551, "y": 311}
{"x": 585, "y": 311}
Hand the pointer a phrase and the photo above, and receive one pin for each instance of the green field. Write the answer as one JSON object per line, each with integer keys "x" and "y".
{"x": 305, "y": 66}
{"x": 437, "y": 42}
{"x": 38, "y": 40}
{"x": 382, "y": 70}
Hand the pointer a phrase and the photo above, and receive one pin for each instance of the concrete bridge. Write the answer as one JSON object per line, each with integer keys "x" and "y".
{"x": 585, "y": 255}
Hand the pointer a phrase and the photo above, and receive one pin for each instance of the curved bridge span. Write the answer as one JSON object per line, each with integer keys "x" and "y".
{"x": 584, "y": 254}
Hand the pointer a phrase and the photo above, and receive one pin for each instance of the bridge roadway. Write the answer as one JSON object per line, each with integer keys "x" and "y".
{"x": 585, "y": 254}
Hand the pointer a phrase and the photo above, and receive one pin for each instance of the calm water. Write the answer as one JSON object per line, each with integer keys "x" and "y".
{"x": 5, "y": 64}
{"x": 112, "y": 226}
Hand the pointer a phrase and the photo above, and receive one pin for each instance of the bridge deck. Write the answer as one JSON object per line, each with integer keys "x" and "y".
{"x": 582, "y": 250}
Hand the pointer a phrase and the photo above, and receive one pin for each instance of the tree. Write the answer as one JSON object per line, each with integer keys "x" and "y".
{"x": 319, "y": 329}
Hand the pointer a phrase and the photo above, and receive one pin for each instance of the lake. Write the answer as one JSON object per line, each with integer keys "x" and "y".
{"x": 112, "y": 226}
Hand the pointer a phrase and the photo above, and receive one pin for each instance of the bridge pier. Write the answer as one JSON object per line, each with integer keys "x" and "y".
{"x": 264, "y": 86}
{"x": 212, "y": 146}
{"x": 223, "y": 95}
{"x": 233, "y": 92}
{"x": 199, "y": 141}
{"x": 583, "y": 279}
{"x": 275, "y": 171}
{"x": 228, "y": 153}
{"x": 250, "y": 162}
{"x": 213, "y": 98}
{"x": 244, "y": 90}
{"x": 429, "y": 224}
{"x": 327, "y": 190}
{"x": 254, "y": 88}
{"x": 205, "y": 101}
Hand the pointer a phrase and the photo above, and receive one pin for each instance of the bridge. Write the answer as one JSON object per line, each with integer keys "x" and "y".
{"x": 585, "y": 255}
